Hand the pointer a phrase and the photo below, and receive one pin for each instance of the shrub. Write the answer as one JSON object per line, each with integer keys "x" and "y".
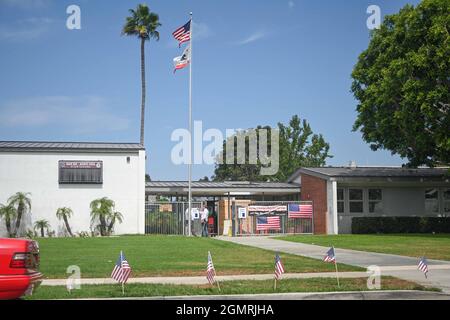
{"x": 363, "y": 225}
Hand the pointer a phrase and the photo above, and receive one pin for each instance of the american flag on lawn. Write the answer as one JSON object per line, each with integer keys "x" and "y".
{"x": 423, "y": 265}
{"x": 268, "y": 223}
{"x": 183, "y": 34}
{"x": 210, "y": 271}
{"x": 330, "y": 256}
{"x": 122, "y": 269}
{"x": 300, "y": 210}
{"x": 279, "y": 268}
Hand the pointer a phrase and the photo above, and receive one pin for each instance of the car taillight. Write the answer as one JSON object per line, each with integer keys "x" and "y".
{"x": 20, "y": 260}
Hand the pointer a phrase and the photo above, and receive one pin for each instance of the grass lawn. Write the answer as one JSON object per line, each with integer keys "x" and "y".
{"x": 413, "y": 245}
{"x": 165, "y": 256}
{"x": 229, "y": 287}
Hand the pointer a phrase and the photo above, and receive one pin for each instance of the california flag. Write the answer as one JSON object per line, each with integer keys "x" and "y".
{"x": 183, "y": 60}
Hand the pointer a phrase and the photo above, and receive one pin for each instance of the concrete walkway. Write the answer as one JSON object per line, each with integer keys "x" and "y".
{"x": 390, "y": 264}
{"x": 202, "y": 279}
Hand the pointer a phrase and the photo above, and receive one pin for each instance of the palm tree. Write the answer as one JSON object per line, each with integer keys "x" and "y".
{"x": 64, "y": 214}
{"x": 41, "y": 225}
{"x": 101, "y": 210}
{"x": 116, "y": 216}
{"x": 23, "y": 203}
{"x": 8, "y": 213}
{"x": 143, "y": 24}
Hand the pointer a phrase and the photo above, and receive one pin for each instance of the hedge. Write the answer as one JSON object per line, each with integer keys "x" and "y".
{"x": 367, "y": 225}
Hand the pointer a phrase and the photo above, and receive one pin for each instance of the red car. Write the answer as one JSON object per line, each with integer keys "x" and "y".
{"x": 19, "y": 268}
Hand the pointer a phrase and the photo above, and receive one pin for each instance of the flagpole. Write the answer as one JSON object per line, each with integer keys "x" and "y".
{"x": 190, "y": 129}
{"x": 335, "y": 264}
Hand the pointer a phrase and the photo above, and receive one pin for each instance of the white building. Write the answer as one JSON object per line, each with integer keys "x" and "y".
{"x": 59, "y": 174}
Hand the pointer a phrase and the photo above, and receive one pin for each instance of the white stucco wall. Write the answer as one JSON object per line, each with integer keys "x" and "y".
{"x": 37, "y": 173}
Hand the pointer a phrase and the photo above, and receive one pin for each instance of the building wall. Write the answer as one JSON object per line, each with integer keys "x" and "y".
{"x": 37, "y": 173}
{"x": 315, "y": 189}
{"x": 396, "y": 201}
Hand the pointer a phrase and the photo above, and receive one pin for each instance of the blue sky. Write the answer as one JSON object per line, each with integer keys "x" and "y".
{"x": 255, "y": 62}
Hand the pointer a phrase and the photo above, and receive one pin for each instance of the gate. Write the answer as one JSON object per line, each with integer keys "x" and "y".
{"x": 272, "y": 217}
{"x": 170, "y": 218}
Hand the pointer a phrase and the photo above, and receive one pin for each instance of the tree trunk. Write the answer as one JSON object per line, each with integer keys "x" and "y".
{"x": 8, "y": 227}
{"x": 42, "y": 232}
{"x": 111, "y": 225}
{"x": 20, "y": 209}
{"x": 67, "y": 226}
{"x": 102, "y": 226}
{"x": 143, "y": 89}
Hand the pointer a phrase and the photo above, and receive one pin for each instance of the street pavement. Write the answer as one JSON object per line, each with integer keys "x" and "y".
{"x": 391, "y": 265}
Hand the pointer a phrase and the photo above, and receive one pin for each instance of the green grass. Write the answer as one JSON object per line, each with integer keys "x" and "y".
{"x": 165, "y": 256}
{"x": 412, "y": 245}
{"x": 228, "y": 287}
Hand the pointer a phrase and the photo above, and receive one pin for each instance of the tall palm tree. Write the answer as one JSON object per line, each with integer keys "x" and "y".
{"x": 41, "y": 225}
{"x": 101, "y": 210}
{"x": 115, "y": 216}
{"x": 23, "y": 203}
{"x": 64, "y": 214}
{"x": 8, "y": 213}
{"x": 143, "y": 24}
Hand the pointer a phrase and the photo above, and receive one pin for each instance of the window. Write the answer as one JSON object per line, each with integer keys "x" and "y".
{"x": 446, "y": 197}
{"x": 431, "y": 201}
{"x": 340, "y": 200}
{"x": 80, "y": 172}
{"x": 375, "y": 203}
{"x": 355, "y": 197}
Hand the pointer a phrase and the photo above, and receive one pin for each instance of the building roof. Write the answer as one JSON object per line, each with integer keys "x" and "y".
{"x": 372, "y": 172}
{"x": 23, "y": 146}
{"x": 222, "y": 187}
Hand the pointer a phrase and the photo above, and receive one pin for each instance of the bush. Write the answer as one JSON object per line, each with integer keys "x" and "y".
{"x": 367, "y": 225}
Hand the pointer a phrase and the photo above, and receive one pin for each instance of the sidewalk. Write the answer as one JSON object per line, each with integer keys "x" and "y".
{"x": 199, "y": 280}
{"x": 390, "y": 264}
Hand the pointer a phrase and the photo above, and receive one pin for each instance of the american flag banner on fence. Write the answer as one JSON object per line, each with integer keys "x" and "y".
{"x": 183, "y": 33}
{"x": 330, "y": 256}
{"x": 300, "y": 210}
{"x": 279, "y": 268}
{"x": 423, "y": 266}
{"x": 122, "y": 269}
{"x": 268, "y": 223}
{"x": 210, "y": 271}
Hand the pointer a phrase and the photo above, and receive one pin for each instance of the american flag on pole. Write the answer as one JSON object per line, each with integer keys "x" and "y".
{"x": 330, "y": 256}
{"x": 183, "y": 33}
{"x": 423, "y": 266}
{"x": 122, "y": 269}
{"x": 279, "y": 268}
{"x": 300, "y": 210}
{"x": 268, "y": 223}
{"x": 210, "y": 271}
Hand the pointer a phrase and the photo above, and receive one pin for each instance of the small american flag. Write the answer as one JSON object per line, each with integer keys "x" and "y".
{"x": 210, "y": 271}
{"x": 122, "y": 269}
{"x": 300, "y": 210}
{"x": 183, "y": 34}
{"x": 268, "y": 223}
{"x": 330, "y": 256}
{"x": 423, "y": 266}
{"x": 279, "y": 268}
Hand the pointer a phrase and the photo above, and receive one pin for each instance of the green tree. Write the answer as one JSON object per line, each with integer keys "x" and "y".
{"x": 9, "y": 213}
{"x": 144, "y": 24}
{"x": 64, "y": 214}
{"x": 298, "y": 146}
{"x": 41, "y": 225}
{"x": 402, "y": 84}
{"x": 23, "y": 202}
{"x": 103, "y": 215}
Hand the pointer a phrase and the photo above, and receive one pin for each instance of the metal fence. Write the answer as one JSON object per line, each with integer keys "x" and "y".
{"x": 170, "y": 218}
{"x": 248, "y": 226}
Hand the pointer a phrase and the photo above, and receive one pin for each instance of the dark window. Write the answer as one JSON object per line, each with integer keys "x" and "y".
{"x": 340, "y": 200}
{"x": 447, "y": 201}
{"x": 375, "y": 200}
{"x": 355, "y": 200}
{"x": 80, "y": 172}
{"x": 431, "y": 201}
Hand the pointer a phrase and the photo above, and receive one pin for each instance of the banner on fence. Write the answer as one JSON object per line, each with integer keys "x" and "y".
{"x": 267, "y": 209}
